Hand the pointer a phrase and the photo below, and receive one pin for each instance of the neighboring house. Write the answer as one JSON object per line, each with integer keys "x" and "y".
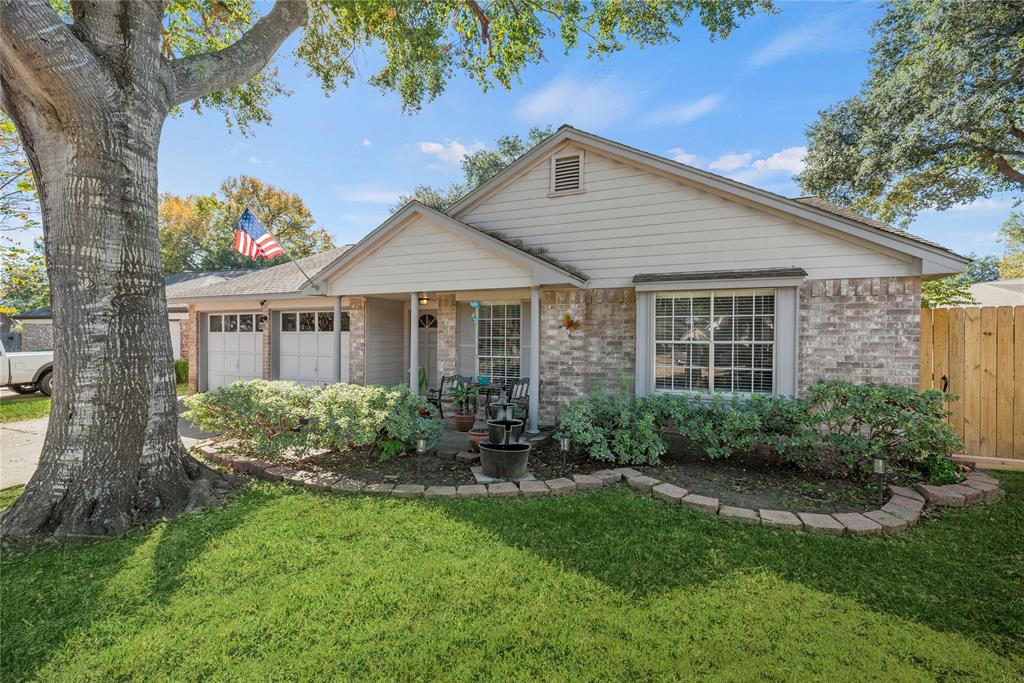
{"x": 37, "y": 325}
{"x": 682, "y": 279}
{"x": 999, "y": 293}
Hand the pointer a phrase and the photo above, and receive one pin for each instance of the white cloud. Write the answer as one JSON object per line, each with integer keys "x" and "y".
{"x": 984, "y": 205}
{"x": 731, "y": 161}
{"x": 367, "y": 142}
{"x": 582, "y": 103}
{"x": 450, "y": 152}
{"x": 789, "y": 160}
{"x": 685, "y": 112}
{"x": 366, "y": 194}
{"x": 255, "y": 160}
{"x": 682, "y": 156}
{"x": 813, "y": 36}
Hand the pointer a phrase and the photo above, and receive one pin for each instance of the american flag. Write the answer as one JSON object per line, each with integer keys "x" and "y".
{"x": 253, "y": 240}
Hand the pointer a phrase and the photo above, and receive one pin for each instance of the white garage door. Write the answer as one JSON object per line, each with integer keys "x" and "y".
{"x": 306, "y": 351}
{"x": 234, "y": 348}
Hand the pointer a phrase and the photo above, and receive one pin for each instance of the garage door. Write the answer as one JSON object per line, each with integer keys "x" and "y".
{"x": 306, "y": 351}
{"x": 234, "y": 348}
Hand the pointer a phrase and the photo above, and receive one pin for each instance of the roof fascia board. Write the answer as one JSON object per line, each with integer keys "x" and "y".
{"x": 241, "y": 297}
{"x": 724, "y": 283}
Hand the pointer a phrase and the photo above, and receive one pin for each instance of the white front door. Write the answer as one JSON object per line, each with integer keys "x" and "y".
{"x": 234, "y": 348}
{"x": 306, "y": 353}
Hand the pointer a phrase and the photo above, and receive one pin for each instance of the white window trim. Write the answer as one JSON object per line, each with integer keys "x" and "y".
{"x": 787, "y": 336}
{"x": 583, "y": 172}
{"x": 476, "y": 336}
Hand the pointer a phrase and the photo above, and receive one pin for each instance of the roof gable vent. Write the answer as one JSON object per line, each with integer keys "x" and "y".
{"x": 567, "y": 173}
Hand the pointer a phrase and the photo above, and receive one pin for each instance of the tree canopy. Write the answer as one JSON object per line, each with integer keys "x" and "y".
{"x": 19, "y": 207}
{"x": 197, "y": 231}
{"x": 1012, "y": 237}
{"x": 940, "y": 120}
{"x": 24, "y": 285}
{"x": 955, "y": 290}
{"x": 477, "y": 168}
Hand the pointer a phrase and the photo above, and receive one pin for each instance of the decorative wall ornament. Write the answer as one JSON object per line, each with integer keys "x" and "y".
{"x": 570, "y": 324}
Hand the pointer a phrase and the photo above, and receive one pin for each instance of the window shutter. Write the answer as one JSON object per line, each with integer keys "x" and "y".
{"x": 568, "y": 173}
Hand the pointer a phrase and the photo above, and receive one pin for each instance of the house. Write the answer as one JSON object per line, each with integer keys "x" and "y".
{"x": 998, "y": 293}
{"x": 37, "y": 325}
{"x": 682, "y": 279}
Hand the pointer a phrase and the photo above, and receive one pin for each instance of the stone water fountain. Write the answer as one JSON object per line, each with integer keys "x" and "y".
{"x": 504, "y": 455}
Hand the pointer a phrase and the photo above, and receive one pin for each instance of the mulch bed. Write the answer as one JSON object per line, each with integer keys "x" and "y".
{"x": 750, "y": 482}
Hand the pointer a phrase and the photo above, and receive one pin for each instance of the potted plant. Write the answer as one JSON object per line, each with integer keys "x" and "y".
{"x": 475, "y": 437}
{"x": 464, "y": 397}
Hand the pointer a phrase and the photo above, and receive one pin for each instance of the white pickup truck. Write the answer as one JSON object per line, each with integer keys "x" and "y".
{"x": 26, "y": 372}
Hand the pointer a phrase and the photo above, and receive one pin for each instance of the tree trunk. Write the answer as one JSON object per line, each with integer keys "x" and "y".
{"x": 112, "y": 455}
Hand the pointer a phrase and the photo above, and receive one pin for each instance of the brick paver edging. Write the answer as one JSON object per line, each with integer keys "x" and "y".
{"x": 901, "y": 512}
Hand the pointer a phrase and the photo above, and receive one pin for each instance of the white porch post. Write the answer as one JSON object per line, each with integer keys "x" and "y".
{"x": 336, "y": 340}
{"x": 414, "y": 343}
{"x": 534, "y": 359}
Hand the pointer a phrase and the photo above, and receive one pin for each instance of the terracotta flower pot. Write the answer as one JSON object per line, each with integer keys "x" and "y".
{"x": 464, "y": 423}
{"x": 475, "y": 437}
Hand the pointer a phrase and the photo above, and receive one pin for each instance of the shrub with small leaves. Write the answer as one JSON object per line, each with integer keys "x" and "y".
{"x": 266, "y": 418}
{"x": 613, "y": 427}
{"x": 181, "y": 370}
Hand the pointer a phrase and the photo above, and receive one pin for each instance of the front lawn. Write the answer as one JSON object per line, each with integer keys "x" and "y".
{"x": 286, "y": 584}
{"x": 36, "y": 406}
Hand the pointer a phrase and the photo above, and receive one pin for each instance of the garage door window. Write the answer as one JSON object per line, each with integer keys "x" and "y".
{"x": 215, "y": 323}
{"x": 288, "y": 322}
{"x": 245, "y": 323}
{"x": 719, "y": 341}
{"x": 231, "y": 323}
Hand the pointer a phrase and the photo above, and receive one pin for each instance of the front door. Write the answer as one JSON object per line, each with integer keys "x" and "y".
{"x": 428, "y": 348}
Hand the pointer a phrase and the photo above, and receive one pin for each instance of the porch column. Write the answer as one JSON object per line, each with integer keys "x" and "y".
{"x": 534, "y": 359}
{"x": 414, "y": 343}
{"x": 336, "y": 340}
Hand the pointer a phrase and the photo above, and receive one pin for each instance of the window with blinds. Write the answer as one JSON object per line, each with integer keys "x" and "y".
{"x": 719, "y": 341}
{"x": 499, "y": 341}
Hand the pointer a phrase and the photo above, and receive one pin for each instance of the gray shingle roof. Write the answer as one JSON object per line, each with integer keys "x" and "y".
{"x": 189, "y": 280}
{"x": 283, "y": 279}
{"x": 719, "y": 275}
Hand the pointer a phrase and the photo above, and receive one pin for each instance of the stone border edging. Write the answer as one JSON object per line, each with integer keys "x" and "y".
{"x": 901, "y": 512}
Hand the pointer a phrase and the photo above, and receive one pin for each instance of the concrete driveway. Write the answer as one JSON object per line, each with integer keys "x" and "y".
{"x": 21, "y": 443}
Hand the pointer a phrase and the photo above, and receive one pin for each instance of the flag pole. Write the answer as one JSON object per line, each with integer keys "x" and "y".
{"x": 283, "y": 250}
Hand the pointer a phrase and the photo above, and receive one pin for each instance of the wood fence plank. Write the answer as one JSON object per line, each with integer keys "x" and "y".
{"x": 926, "y": 349}
{"x": 956, "y": 368}
{"x": 972, "y": 380}
{"x": 1018, "y": 399}
{"x": 1004, "y": 382}
{"x": 940, "y": 347}
{"x": 988, "y": 382}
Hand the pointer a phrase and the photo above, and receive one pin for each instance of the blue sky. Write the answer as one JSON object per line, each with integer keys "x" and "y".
{"x": 737, "y": 106}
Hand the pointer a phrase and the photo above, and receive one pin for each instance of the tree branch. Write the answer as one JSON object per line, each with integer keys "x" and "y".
{"x": 213, "y": 71}
{"x": 1007, "y": 170}
{"x": 43, "y": 57}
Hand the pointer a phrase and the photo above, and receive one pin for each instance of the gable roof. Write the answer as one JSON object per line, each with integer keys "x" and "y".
{"x": 286, "y": 278}
{"x": 814, "y": 211}
{"x": 535, "y": 258}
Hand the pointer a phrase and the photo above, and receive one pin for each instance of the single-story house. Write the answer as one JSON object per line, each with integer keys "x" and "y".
{"x": 582, "y": 262}
{"x": 37, "y": 325}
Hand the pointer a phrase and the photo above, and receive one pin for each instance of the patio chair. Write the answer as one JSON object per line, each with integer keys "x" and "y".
{"x": 442, "y": 393}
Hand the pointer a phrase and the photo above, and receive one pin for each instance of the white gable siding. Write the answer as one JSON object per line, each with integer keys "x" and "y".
{"x": 426, "y": 256}
{"x": 629, "y": 221}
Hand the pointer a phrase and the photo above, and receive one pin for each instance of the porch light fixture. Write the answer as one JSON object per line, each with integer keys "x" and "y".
{"x": 424, "y": 299}
{"x": 879, "y": 465}
{"x": 421, "y": 444}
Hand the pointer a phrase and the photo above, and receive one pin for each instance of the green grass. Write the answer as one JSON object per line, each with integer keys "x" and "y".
{"x": 36, "y": 406}
{"x": 286, "y": 584}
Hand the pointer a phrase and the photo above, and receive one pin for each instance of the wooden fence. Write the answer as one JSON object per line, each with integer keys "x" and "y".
{"x": 978, "y": 353}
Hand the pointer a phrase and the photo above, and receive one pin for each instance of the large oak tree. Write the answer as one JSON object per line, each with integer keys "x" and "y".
{"x": 89, "y": 85}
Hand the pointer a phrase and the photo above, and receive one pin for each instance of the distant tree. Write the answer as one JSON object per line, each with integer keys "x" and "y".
{"x": 940, "y": 120}
{"x": 1012, "y": 236}
{"x": 23, "y": 282}
{"x": 198, "y": 232}
{"x": 19, "y": 206}
{"x": 955, "y": 290}
{"x": 477, "y": 168}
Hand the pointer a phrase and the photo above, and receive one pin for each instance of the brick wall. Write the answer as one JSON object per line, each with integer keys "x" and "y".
{"x": 860, "y": 329}
{"x": 357, "y": 340}
{"x": 37, "y": 336}
{"x": 190, "y": 347}
{"x": 603, "y": 351}
{"x": 447, "y": 335}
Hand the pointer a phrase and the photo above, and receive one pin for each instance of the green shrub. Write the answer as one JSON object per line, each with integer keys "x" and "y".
{"x": 386, "y": 419}
{"x": 266, "y": 417}
{"x": 862, "y": 421}
{"x": 181, "y": 370}
{"x": 614, "y": 427}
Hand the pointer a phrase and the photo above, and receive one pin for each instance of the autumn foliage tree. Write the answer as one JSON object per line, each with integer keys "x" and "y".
{"x": 89, "y": 85}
